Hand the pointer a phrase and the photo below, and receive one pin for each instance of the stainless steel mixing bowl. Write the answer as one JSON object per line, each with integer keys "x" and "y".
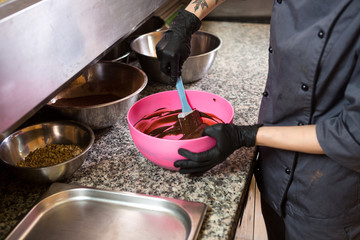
{"x": 204, "y": 47}
{"x": 104, "y": 78}
{"x": 18, "y": 145}
{"x": 119, "y": 53}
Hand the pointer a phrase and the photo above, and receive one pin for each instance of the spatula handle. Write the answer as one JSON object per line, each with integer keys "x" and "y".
{"x": 181, "y": 91}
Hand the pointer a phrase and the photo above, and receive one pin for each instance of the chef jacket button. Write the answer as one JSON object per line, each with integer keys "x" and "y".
{"x": 265, "y": 94}
{"x": 300, "y": 123}
{"x": 279, "y": 1}
{"x": 287, "y": 171}
{"x": 304, "y": 87}
{"x": 270, "y": 49}
{"x": 321, "y": 34}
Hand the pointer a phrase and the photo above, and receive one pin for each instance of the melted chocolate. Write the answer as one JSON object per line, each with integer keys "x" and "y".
{"x": 164, "y": 123}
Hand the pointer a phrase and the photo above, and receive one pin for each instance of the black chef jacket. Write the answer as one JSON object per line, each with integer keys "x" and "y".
{"x": 314, "y": 78}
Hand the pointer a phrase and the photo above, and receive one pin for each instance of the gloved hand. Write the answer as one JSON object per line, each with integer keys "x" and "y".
{"x": 174, "y": 47}
{"x": 229, "y": 137}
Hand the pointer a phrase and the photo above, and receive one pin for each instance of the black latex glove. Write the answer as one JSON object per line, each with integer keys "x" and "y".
{"x": 174, "y": 47}
{"x": 229, "y": 137}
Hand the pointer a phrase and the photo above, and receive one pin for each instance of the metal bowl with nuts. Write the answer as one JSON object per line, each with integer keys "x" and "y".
{"x": 17, "y": 146}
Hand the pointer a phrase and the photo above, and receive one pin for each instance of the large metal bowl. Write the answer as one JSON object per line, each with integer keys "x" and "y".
{"x": 204, "y": 47}
{"x": 102, "y": 79}
{"x": 19, "y": 144}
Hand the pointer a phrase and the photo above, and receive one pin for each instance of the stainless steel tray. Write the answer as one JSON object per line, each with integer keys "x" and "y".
{"x": 75, "y": 212}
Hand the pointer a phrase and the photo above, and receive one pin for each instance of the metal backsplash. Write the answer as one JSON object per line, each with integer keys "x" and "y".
{"x": 46, "y": 43}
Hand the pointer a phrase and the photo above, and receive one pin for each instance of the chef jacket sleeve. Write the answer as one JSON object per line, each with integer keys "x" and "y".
{"x": 339, "y": 136}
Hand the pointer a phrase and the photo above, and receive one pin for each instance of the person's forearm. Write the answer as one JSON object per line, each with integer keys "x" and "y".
{"x": 292, "y": 138}
{"x": 201, "y": 8}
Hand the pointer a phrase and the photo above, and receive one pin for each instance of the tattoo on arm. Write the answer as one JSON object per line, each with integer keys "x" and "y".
{"x": 202, "y": 3}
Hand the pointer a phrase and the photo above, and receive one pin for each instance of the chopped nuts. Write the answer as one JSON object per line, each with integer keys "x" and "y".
{"x": 50, "y": 155}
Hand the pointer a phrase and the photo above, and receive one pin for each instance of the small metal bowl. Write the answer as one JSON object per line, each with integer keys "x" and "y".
{"x": 121, "y": 52}
{"x": 106, "y": 90}
{"x": 18, "y": 145}
{"x": 204, "y": 47}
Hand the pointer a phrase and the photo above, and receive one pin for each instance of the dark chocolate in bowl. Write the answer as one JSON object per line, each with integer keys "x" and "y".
{"x": 164, "y": 123}
{"x": 101, "y": 95}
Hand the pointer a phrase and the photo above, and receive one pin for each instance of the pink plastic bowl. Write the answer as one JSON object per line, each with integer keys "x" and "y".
{"x": 164, "y": 152}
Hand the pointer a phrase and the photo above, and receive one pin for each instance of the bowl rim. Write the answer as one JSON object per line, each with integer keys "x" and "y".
{"x": 49, "y": 104}
{"x": 190, "y": 57}
{"x": 63, "y": 122}
{"x": 124, "y": 56}
{"x": 173, "y": 140}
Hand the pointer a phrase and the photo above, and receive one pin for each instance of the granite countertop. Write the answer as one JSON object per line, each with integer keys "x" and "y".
{"x": 114, "y": 163}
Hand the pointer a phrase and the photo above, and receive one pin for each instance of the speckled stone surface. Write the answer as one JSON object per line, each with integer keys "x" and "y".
{"x": 238, "y": 74}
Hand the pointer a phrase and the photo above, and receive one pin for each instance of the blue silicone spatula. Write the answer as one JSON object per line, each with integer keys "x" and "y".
{"x": 186, "y": 109}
